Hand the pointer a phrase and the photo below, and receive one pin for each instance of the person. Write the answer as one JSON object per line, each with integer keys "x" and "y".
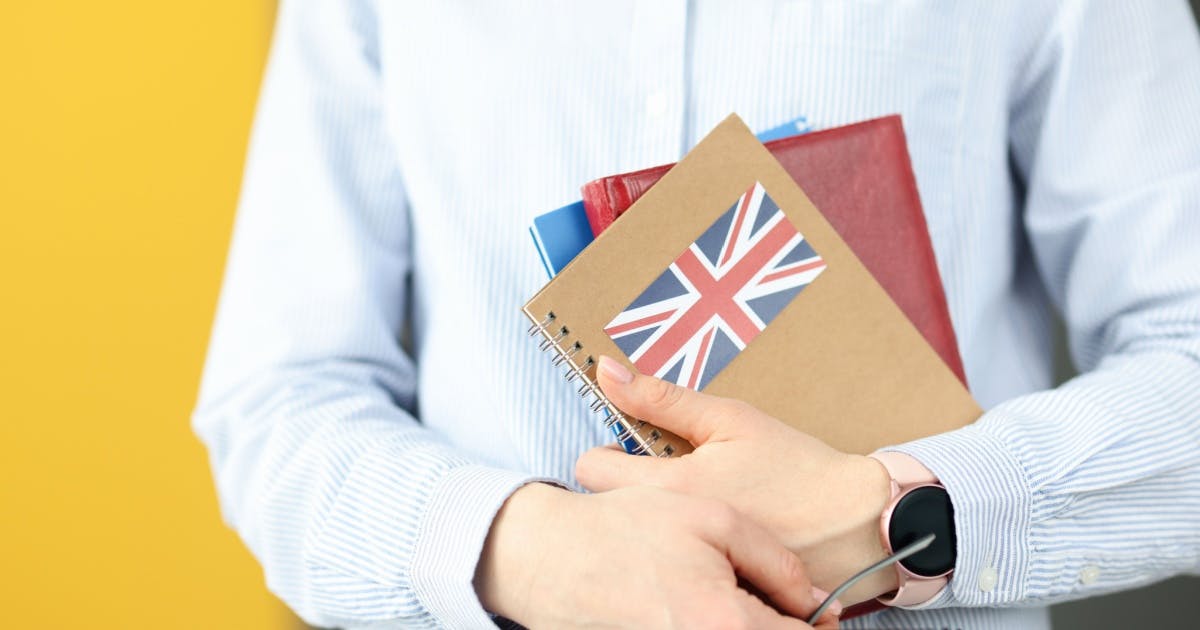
{"x": 400, "y": 151}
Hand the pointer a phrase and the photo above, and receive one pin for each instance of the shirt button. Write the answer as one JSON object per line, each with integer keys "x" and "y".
{"x": 987, "y": 579}
{"x": 656, "y": 103}
{"x": 1089, "y": 574}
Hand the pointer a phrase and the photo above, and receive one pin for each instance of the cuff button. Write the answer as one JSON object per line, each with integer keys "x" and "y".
{"x": 1089, "y": 574}
{"x": 988, "y": 579}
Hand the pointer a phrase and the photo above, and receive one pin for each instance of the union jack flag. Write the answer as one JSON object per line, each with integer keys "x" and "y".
{"x": 718, "y": 295}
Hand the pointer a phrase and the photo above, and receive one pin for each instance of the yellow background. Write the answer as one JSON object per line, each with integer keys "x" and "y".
{"x": 122, "y": 132}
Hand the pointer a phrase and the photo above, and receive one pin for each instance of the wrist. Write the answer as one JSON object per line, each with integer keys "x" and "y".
{"x": 859, "y": 491}
{"x": 516, "y": 549}
{"x": 875, "y": 488}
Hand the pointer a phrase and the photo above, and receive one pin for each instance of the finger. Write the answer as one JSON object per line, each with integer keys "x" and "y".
{"x": 694, "y": 416}
{"x": 830, "y": 618}
{"x": 601, "y": 469}
{"x": 760, "y": 615}
{"x": 765, "y": 562}
{"x": 828, "y": 621}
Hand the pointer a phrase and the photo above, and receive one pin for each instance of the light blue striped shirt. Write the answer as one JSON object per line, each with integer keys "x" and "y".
{"x": 401, "y": 150}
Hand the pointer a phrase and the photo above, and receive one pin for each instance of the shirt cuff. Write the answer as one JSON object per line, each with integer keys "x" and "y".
{"x": 992, "y": 515}
{"x": 450, "y": 537}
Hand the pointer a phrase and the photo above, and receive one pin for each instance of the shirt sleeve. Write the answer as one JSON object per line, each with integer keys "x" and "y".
{"x": 1095, "y": 486}
{"x": 358, "y": 514}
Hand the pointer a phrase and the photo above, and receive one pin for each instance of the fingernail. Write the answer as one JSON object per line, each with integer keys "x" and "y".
{"x": 615, "y": 371}
{"x": 821, "y": 596}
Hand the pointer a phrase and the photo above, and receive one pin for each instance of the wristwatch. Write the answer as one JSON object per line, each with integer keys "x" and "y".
{"x": 919, "y": 506}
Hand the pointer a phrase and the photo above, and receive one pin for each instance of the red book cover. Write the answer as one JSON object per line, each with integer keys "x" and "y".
{"x": 859, "y": 176}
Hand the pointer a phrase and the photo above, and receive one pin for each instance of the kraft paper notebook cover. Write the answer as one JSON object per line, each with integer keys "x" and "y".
{"x": 861, "y": 179}
{"x": 836, "y": 357}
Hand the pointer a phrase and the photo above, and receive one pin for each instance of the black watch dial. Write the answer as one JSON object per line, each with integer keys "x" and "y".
{"x": 921, "y": 512}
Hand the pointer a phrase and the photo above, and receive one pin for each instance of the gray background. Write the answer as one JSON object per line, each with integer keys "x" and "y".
{"x": 1174, "y": 603}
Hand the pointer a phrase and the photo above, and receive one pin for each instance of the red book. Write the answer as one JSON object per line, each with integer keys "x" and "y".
{"x": 859, "y": 176}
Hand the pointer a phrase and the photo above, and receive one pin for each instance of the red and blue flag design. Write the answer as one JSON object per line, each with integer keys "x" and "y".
{"x": 718, "y": 295}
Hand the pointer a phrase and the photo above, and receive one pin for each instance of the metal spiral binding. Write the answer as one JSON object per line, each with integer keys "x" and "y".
{"x": 553, "y": 337}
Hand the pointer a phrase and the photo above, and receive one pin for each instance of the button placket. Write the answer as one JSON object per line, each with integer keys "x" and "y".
{"x": 657, "y": 49}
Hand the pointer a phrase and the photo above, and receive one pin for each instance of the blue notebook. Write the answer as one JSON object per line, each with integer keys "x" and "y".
{"x": 560, "y": 235}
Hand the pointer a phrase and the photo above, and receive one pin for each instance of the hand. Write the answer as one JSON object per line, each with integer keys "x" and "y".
{"x": 821, "y": 503}
{"x": 637, "y": 558}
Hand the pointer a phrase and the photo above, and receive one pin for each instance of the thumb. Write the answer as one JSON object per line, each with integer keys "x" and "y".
{"x": 763, "y": 561}
{"x": 694, "y": 416}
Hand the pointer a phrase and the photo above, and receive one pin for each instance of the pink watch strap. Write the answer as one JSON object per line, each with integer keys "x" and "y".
{"x": 915, "y": 591}
{"x": 905, "y": 469}
{"x": 907, "y": 473}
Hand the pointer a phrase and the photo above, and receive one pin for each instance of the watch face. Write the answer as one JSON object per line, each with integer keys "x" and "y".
{"x": 918, "y": 513}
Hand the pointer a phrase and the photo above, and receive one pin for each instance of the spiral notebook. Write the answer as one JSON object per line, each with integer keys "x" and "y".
{"x": 724, "y": 278}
